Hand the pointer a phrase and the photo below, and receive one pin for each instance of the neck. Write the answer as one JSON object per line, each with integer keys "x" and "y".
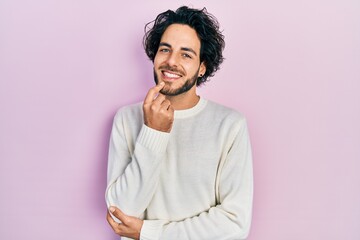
{"x": 184, "y": 101}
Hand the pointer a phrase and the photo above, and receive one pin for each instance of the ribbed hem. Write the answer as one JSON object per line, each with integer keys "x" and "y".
{"x": 151, "y": 229}
{"x": 152, "y": 139}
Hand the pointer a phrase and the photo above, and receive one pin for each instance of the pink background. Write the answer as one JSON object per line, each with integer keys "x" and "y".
{"x": 292, "y": 67}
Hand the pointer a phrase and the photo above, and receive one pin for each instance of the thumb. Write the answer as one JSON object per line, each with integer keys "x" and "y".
{"x": 118, "y": 214}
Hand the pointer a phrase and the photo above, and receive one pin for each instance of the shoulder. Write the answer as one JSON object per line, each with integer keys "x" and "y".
{"x": 231, "y": 121}
{"x": 224, "y": 113}
{"x": 132, "y": 111}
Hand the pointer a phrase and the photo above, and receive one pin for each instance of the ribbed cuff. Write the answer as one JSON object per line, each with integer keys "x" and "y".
{"x": 152, "y": 139}
{"x": 151, "y": 229}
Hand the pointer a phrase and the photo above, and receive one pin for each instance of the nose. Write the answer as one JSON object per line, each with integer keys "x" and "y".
{"x": 172, "y": 59}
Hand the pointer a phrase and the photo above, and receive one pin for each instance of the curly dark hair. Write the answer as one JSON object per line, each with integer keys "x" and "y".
{"x": 206, "y": 27}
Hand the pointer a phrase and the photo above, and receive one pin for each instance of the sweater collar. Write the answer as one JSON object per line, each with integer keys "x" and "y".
{"x": 178, "y": 114}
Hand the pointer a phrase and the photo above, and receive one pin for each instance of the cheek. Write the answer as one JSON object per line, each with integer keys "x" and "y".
{"x": 158, "y": 60}
{"x": 191, "y": 68}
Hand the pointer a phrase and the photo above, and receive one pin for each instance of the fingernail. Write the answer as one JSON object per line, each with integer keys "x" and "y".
{"x": 112, "y": 209}
{"x": 162, "y": 83}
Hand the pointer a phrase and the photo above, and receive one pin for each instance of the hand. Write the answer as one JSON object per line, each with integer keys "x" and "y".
{"x": 129, "y": 227}
{"x": 158, "y": 112}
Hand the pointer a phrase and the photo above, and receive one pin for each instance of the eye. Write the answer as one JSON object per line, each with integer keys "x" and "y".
{"x": 165, "y": 50}
{"x": 186, "y": 55}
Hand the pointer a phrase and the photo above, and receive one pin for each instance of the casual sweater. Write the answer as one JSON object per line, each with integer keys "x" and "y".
{"x": 195, "y": 182}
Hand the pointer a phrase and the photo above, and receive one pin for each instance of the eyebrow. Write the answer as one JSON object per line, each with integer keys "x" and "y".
{"x": 183, "y": 48}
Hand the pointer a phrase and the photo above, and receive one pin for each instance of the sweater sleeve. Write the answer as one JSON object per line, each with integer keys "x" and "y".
{"x": 132, "y": 171}
{"x": 231, "y": 217}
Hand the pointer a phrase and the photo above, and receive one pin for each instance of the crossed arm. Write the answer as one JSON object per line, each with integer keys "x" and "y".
{"x": 230, "y": 219}
{"x": 158, "y": 115}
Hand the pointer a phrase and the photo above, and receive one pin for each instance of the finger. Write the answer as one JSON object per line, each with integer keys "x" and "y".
{"x": 118, "y": 214}
{"x": 159, "y": 99}
{"x": 166, "y": 104}
{"x": 171, "y": 110}
{"x": 111, "y": 221}
{"x": 152, "y": 92}
{"x": 118, "y": 228}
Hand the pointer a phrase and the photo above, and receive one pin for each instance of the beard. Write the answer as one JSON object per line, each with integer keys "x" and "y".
{"x": 189, "y": 83}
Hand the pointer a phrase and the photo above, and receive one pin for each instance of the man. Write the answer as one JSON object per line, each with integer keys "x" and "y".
{"x": 180, "y": 166}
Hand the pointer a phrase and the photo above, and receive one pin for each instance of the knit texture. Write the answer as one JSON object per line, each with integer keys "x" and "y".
{"x": 195, "y": 182}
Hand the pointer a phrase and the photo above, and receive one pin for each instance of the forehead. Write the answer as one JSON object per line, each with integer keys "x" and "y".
{"x": 181, "y": 36}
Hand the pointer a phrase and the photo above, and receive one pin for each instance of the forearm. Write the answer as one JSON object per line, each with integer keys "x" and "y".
{"x": 131, "y": 185}
{"x": 211, "y": 225}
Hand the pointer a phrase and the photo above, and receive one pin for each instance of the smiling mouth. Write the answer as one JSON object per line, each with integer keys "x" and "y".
{"x": 170, "y": 75}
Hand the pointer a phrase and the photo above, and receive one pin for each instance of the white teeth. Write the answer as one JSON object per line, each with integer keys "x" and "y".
{"x": 171, "y": 75}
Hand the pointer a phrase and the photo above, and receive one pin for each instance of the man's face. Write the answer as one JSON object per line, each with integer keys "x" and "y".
{"x": 177, "y": 61}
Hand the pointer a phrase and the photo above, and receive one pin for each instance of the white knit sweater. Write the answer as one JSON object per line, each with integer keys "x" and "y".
{"x": 195, "y": 182}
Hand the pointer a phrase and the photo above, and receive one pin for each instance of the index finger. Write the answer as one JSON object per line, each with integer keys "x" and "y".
{"x": 152, "y": 92}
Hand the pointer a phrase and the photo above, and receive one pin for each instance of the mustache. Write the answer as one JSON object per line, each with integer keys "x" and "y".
{"x": 172, "y": 69}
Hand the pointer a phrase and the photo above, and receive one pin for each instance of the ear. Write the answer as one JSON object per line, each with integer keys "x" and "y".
{"x": 202, "y": 69}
